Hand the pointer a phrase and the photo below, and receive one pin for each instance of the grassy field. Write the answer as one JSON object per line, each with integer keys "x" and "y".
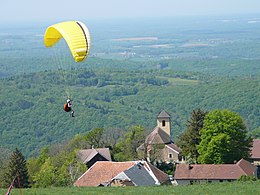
{"x": 217, "y": 188}
{"x": 179, "y": 81}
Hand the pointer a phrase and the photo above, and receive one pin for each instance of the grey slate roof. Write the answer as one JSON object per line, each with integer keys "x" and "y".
{"x": 174, "y": 147}
{"x": 86, "y": 155}
{"x": 158, "y": 133}
{"x": 164, "y": 114}
{"x": 143, "y": 173}
{"x": 140, "y": 176}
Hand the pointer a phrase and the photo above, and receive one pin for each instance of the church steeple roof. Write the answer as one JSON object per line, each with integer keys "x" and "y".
{"x": 164, "y": 114}
{"x": 152, "y": 138}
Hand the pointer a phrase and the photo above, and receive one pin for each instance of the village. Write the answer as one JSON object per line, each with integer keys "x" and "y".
{"x": 130, "y": 97}
{"x": 102, "y": 171}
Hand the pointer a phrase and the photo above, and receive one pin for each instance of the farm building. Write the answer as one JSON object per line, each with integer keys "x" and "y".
{"x": 132, "y": 173}
{"x": 201, "y": 173}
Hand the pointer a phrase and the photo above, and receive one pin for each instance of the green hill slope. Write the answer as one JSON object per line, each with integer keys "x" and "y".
{"x": 32, "y": 114}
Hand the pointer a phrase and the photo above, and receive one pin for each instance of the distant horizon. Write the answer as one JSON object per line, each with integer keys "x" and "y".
{"x": 59, "y": 10}
{"x": 114, "y": 19}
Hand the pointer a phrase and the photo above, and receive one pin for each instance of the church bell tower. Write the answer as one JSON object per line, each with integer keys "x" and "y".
{"x": 164, "y": 122}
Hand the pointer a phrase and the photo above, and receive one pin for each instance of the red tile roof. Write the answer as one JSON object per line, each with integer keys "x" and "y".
{"x": 160, "y": 175}
{"x": 246, "y": 167}
{"x": 212, "y": 171}
{"x": 101, "y": 172}
{"x": 256, "y": 149}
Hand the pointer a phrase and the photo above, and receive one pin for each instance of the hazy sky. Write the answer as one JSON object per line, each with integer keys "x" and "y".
{"x": 55, "y": 10}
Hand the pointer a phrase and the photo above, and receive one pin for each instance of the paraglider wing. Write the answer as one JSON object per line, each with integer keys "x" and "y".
{"x": 75, "y": 33}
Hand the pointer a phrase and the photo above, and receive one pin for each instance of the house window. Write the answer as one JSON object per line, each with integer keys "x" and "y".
{"x": 170, "y": 155}
{"x": 163, "y": 123}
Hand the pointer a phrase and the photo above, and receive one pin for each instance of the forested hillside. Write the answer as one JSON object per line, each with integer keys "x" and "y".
{"x": 33, "y": 117}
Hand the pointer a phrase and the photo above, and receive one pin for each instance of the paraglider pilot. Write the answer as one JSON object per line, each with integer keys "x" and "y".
{"x": 68, "y": 107}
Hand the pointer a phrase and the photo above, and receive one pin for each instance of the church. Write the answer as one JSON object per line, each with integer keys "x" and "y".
{"x": 158, "y": 146}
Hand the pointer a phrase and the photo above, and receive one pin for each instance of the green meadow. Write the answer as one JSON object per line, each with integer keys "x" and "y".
{"x": 229, "y": 188}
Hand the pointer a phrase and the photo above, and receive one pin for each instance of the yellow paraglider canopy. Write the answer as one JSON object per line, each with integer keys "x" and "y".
{"x": 75, "y": 33}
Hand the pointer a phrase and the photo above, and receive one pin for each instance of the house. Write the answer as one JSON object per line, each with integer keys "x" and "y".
{"x": 90, "y": 156}
{"x": 201, "y": 173}
{"x": 132, "y": 173}
{"x": 158, "y": 145}
{"x": 255, "y": 152}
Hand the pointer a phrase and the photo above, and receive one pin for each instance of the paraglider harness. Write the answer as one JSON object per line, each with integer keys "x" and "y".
{"x": 68, "y": 107}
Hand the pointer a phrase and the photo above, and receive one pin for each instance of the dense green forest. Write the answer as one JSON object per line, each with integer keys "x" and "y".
{"x": 32, "y": 114}
{"x": 176, "y": 65}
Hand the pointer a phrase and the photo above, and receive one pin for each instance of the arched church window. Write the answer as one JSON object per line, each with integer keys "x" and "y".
{"x": 163, "y": 123}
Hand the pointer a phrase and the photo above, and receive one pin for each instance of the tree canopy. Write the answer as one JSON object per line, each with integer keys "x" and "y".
{"x": 223, "y": 138}
{"x": 125, "y": 149}
{"x": 190, "y": 138}
{"x": 17, "y": 167}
